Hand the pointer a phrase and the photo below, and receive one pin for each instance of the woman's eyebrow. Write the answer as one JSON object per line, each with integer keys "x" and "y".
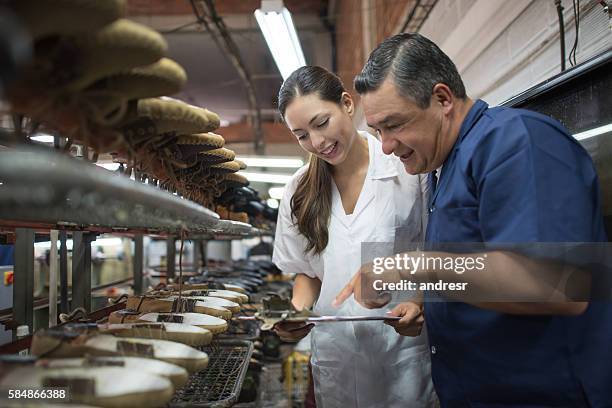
{"x": 315, "y": 117}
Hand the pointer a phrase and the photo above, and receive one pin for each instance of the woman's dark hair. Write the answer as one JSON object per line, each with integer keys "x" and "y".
{"x": 416, "y": 65}
{"x": 311, "y": 202}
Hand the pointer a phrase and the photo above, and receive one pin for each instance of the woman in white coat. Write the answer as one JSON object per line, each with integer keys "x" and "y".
{"x": 348, "y": 194}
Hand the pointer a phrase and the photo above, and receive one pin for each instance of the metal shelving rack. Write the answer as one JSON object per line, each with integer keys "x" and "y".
{"x": 42, "y": 190}
{"x": 50, "y": 188}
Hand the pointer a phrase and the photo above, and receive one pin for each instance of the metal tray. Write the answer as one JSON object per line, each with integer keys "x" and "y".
{"x": 220, "y": 383}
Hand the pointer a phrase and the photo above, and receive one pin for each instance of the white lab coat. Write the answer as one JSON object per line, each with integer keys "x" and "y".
{"x": 362, "y": 364}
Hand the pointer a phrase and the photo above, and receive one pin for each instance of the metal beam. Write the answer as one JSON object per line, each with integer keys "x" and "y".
{"x": 177, "y": 8}
{"x": 23, "y": 284}
{"x": 170, "y": 258}
{"x": 81, "y": 270}
{"x": 138, "y": 263}
{"x": 63, "y": 270}
{"x": 197, "y": 255}
{"x": 204, "y": 252}
{"x": 53, "y": 278}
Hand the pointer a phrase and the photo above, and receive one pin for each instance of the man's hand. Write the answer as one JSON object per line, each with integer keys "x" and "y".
{"x": 292, "y": 332}
{"x": 412, "y": 319}
{"x": 362, "y": 287}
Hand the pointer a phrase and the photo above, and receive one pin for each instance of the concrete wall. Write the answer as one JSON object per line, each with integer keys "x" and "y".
{"x": 504, "y": 47}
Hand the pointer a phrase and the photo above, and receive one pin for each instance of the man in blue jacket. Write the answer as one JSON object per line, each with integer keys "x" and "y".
{"x": 498, "y": 175}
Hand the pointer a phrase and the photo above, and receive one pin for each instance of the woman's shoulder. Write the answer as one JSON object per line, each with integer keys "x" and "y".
{"x": 300, "y": 172}
{"x": 293, "y": 182}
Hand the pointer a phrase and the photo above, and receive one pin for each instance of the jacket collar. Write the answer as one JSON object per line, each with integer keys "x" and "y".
{"x": 471, "y": 118}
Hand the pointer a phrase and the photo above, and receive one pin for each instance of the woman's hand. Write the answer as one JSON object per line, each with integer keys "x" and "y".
{"x": 305, "y": 292}
{"x": 292, "y": 332}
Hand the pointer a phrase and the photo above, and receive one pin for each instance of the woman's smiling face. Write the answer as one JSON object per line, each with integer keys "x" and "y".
{"x": 322, "y": 128}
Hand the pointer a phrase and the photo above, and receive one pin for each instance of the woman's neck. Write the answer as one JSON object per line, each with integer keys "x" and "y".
{"x": 357, "y": 159}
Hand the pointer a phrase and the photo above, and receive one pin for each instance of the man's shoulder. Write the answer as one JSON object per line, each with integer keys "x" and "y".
{"x": 520, "y": 121}
{"x": 507, "y": 132}
{"x": 509, "y": 128}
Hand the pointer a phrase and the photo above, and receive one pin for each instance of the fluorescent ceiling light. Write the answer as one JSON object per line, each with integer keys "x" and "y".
{"x": 109, "y": 166}
{"x": 282, "y": 162}
{"x": 593, "y": 132}
{"x": 110, "y": 241}
{"x": 267, "y": 177}
{"x": 276, "y": 192}
{"x": 279, "y": 32}
{"x": 43, "y": 138}
{"x": 272, "y": 202}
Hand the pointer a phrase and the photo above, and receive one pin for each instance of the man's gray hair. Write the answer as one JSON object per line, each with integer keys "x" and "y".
{"x": 416, "y": 65}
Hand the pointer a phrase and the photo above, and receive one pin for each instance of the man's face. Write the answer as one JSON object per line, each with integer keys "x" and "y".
{"x": 411, "y": 133}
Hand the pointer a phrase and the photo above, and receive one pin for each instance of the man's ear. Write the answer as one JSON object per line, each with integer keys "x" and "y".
{"x": 443, "y": 96}
{"x": 347, "y": 103}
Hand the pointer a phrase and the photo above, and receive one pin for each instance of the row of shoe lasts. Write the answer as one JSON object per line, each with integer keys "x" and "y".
{"x": 139, "y": 357}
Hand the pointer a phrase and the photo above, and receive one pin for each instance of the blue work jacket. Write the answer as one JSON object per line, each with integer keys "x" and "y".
{"x": 516, "y": 176}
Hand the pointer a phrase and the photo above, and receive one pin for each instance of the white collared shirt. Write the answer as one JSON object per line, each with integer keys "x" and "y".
{"x": 362, "y": 364}
{"x": 391, "y": 202}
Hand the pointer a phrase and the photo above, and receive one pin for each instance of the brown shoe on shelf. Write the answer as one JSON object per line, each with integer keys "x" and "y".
{"x": 222, "y": 298}
{"x": 242, "y": 164}
{"x": 151, "y": 128}
{"x": 60, "y": 343}
{"x": 215, "y": 296}
{"x": 239, "y": 216}
{"x": 226, "y": 294}
{"x": 234, "y": 180}
{"x": 110, "y": 387}
{"x": 204, "y": 286}
{"x": 173, "y": 116}
{"x": 225, "y": 168}
{"x": 123, "y": 316}
{"x": 182, "y": 152}
{"x": 61, "y": 17}
{"x": 199, "y": 175}
{"x": 223, "y": 212}
{"x": 68, "y": 64}
{"x": 107, "y": 99}
{"x": 173, "y": 304}
{"x": 215, "y": 324}
{"x": 216, "y": 156}
{"x": 191, "y": 145}
{"x": 50, "y": 88}
{"x": 176, "y": 374}
{"x": 182, "y": 333}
